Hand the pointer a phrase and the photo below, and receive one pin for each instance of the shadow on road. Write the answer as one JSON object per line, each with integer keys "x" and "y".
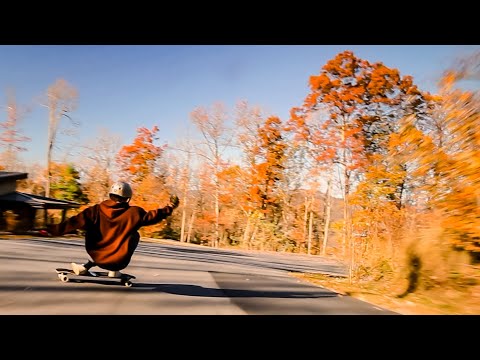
{"x": 195, "y": 290}
{"x": 97, "y": 285}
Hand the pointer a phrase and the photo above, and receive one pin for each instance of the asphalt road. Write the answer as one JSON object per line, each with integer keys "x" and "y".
{"x": 171, "y": 279}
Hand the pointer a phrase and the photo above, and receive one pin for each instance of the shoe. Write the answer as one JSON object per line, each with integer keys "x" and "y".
{"x": 114, "y": 274}
{"x": 79, "y": 269}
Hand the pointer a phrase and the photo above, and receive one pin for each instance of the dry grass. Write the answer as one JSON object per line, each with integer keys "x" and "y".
{"x": 425, "y": 275}
{"x": 452, "y": 300}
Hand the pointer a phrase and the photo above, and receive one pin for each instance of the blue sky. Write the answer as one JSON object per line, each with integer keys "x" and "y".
{"x": 123, "y": 87}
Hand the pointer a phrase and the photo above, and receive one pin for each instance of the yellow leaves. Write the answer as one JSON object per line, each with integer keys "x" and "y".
{"x": 394, "y": 140}
{"x": 433, "y": 98}
{"x": 454, "y": 163}
{"x": 448, "y": 80}
{"x": 413, "y": 91}
{"x": 465, "y": 97}
{"x": 429, "y": 157}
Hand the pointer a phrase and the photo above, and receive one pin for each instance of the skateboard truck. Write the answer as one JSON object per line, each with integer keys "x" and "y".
{"x": 65, "y": 274}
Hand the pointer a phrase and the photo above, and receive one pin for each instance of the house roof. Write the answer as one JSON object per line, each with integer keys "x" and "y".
{"x": 10, "y": 175}
{"x": 37, "y": 201}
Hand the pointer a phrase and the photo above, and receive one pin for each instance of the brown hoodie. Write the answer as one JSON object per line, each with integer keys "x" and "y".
{"x": 111, "y": 230}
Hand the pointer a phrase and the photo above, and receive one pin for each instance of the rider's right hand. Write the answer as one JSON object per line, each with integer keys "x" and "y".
{"x": 174, "y": 201}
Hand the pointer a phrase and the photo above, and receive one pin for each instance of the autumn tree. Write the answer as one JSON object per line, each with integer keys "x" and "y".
{"x": 438, "y": 221}
{"x": 98, "y": 164}
{"x": 260, "y": 142}
{"x": 232, "y": 181}
{"x": 356, "y": 106}
{"x": 248, "y": 121}
{"x": 216, "y": 140}
{"x": 271, "y": 147}
{"x": 138, "y": 164}
{"x": 262, "y": 175}
{"x": 138, "y": 159}
{"x": 66, "y": 183}
{"x": 11, "y": 139}
{"x": 453, "y": 160}
{"x": 181, "y": 174}
{"x": 61, "y": 101}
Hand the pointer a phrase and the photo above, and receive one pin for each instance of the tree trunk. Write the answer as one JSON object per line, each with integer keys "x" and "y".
{"x": 184, "y": 218}
{"x": 51, "y": 140}
{"x": 347, "y": 238}
{"x": 310, "y": 231}
{"x": 246, "y": 232}
{"x": 190, "y": 226}
{"x": 347, "y": 229}
{"x": 326, "y": 218}
{"x": 217, "y": 215}
{"x": 182, "y": 226}
{"x": 251, "y": 241}
{"x": 185, "y": 184}
{"x": 49, "y": 171}
{"x": 305, "y": 220}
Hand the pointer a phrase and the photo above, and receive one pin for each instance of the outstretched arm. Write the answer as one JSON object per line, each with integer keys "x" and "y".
{"x": 155, "y": 216}
{"x": 73, "y": 223}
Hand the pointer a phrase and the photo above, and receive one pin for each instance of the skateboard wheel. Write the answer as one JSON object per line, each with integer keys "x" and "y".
{"x": 63, "y": 277}
{"x": 127, "y": 283}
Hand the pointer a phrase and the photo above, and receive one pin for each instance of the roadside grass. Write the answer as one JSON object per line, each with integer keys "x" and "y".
{"x": 447, "y": 300}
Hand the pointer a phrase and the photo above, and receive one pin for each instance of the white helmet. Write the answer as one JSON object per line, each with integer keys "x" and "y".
{"x": 122, "y": 189}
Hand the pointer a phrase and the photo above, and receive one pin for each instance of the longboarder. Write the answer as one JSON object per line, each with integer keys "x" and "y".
{"x": 111, "y": 229}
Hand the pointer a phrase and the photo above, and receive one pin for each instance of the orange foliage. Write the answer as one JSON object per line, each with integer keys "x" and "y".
{"x": 349, "y": 89}
{"x": 138, "y": 159}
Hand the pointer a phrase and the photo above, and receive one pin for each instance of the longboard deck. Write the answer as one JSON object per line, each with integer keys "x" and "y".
{"x": 64, "y": 275}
